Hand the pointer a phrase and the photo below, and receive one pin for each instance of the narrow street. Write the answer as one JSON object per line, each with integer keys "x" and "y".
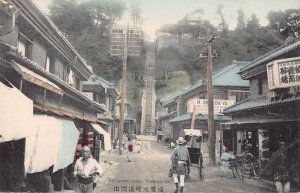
{"x": 148, "y": 173}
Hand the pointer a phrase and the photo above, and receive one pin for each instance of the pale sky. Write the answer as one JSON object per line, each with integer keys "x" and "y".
{"x": 156, "y": 13}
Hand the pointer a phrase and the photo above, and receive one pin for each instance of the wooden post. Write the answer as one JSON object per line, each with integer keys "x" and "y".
{"x": 211, "y": 128}
{"x": 193, "y": 117}
{"x": 123, "y": 91}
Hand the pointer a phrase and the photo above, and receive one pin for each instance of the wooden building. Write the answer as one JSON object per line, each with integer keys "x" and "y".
{"x": 228, "y": 88}
{"x": 271, "y": 113}
{"x": 40, "y": 63}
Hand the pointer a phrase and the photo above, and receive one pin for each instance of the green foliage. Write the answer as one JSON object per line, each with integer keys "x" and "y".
{"x": 241, "y": 20}
{"x": 87, "y": 26}
{"x": 246, "y": 43}
{"x": 178, "y": 80}
{"x": 159, "y": 84}
{"x": 286, "y": 23}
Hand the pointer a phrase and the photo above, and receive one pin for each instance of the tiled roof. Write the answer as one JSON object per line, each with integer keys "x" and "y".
{"x": 161, "y": 114}
{"x": 227, "y": 76}
{"x": 96, "y": 80}
{"x": 258, "y": 102}
{"x": 170, "y": 97}
{"x": 188, "y": 116}
{"x": 39, "y": 70}
{"x": 271, "y": 55}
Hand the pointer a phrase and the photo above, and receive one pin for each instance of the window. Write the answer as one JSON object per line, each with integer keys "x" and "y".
{"x": 111, "y": 103}
{"x": 78, "y": 86}
{"x": 50, "y": 65}
{"x": 260, "y": 86}
{"x": 24, "y": 46}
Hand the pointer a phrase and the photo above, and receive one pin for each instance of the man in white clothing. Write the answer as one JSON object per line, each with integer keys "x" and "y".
{"x": 86, "y": 169}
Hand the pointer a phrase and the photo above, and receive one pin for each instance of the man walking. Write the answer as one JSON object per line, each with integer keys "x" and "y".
{"x": 180, "y": 161}
{"x": 86, "y": 169}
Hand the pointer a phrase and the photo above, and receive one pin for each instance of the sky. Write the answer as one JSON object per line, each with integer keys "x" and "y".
{"x": 156, "y": 13}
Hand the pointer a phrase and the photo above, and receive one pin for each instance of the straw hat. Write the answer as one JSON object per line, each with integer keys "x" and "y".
{"x": 180, "y": 141}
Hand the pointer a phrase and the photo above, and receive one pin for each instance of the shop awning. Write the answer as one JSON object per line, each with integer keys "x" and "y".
{"x": 258, "y": 121}
{"x": 107, "y": 140}
{"x": 36, "y": 79}
{"x": 53, "y": 144}
{"x": 42, "y": 149}
{"x": 69, "y": 141}
{"x": 16, "y": 113}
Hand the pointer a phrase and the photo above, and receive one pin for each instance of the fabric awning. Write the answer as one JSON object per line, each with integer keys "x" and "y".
{"x": 34, "y": 78}
{"x": 42, "y": 149}
{"x": 53, "y": 144}
{"x": 68, "y": 145}
{"x": 107, "y": 140}
{"x": 16, "y": 120}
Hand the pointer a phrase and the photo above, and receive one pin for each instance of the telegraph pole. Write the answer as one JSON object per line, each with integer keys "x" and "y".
{"x": 123, "y": 91}
{"x": 211, "y": 128}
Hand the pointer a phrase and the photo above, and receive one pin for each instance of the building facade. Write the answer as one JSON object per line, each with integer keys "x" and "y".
{"x": 271, "y": 112}
{"x": 228, "y": 88}
{"x": 40, "y": 67}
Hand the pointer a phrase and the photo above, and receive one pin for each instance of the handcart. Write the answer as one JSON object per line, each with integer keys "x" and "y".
{"x": 160, "y": 137}
{"x": 197, "y": 160}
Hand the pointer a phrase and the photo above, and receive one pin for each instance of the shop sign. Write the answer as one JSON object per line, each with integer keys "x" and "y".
{"x": 202, "y": 105}
{"x": 284, "y": 73}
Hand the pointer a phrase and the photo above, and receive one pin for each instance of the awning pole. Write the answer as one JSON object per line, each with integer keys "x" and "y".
{"x": 44, "y": 99}
{"x": 21, "y": 85}
{"x": 193, "y": 117}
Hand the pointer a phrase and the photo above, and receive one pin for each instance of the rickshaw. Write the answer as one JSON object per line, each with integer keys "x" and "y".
{"x": 195, "y": 153}
{"x": 160, "y": 136}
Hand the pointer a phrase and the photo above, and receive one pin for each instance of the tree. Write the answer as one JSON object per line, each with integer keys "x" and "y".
{"x": 135, "y": 12}
{"x": 87, "y": 26}
{"x": 104, "y": 14}
{"x": 286, "y": 23}
{"x": 223, "y": 25}
{"x": 241, "y": 21}
{"x": 253, "y": 24}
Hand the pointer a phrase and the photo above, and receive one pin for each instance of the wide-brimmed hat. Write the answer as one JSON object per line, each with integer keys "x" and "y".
{"x": 180, "y": 140}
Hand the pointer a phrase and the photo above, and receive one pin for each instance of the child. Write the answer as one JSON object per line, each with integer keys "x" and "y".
{"x": 138, "y": 146}
{"x": 225, "y": 157}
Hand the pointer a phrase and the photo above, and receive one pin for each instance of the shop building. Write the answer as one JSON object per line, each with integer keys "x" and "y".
{"x": 45, "y": 117}
{"x": 271, "y": 113}
{"x": 228, "y": 88}
{"x": 104, "y": 92}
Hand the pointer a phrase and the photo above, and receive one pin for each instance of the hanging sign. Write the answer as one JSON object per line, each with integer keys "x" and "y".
{"x": 202, "y": 105}
{"x": 284, "y": 73}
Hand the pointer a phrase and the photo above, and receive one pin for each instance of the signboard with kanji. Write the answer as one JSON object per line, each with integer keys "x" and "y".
{"x": 202, "y": 105}
{"x": 284, "y": 73}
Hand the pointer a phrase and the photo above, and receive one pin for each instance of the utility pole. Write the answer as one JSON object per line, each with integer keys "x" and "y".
{"x": 211, "y": 128}
{"x": 123, "y": 91}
